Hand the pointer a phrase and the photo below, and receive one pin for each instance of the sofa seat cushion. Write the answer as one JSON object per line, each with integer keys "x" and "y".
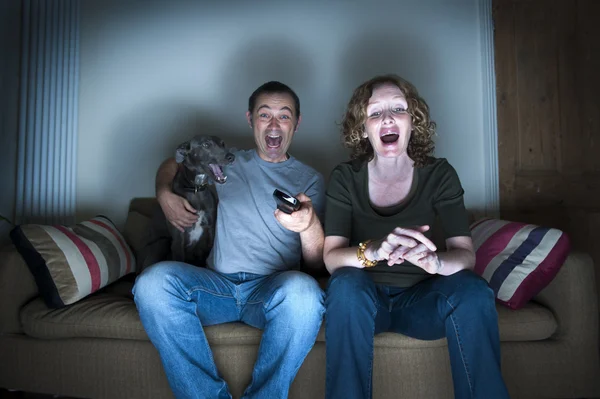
{"x": 533, "y": 322}
{"x": 111, "y": 313}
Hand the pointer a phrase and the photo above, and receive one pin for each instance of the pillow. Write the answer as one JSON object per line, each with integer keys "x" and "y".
{"x": 517, "y": 259}
{"x": 69, "y": 264}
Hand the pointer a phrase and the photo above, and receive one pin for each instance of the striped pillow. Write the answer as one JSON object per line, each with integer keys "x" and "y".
{"x": 517, "y": 259}
{"x": 69, "y": 264}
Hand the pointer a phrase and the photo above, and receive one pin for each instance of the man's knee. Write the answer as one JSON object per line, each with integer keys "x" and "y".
{"x": 299, "y": 294}
{"x": 152, "y": 286}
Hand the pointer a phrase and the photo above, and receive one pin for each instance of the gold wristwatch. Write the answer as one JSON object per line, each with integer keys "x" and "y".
{"x": 360, "y": 254}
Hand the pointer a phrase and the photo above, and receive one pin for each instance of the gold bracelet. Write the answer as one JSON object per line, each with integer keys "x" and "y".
{"x": 360, "y": 254}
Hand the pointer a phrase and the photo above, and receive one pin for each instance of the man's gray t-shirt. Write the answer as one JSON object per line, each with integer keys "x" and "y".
{"x": 248, "y": 237}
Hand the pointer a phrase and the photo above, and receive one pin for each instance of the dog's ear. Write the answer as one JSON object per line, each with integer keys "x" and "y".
{"x": 182, "y": 152}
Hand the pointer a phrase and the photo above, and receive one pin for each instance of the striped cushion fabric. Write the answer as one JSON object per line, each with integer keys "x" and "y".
{"x": 70, "y": 263}
{"x": 517, "y": 259}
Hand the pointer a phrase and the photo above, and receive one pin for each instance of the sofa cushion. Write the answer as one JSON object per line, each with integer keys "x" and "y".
{"x": 518, "y": 260}
{"x": 70, "y": 263}
{"x": 136, "y": 230}
{"x": 111, "y": 313}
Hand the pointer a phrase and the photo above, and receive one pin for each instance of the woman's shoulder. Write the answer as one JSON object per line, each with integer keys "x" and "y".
{"x": 437, "y": 171}
{"x": 347, "y": 174}
{"x": 438, "y": 165}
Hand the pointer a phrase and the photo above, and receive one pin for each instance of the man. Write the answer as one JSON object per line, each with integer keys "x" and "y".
{"x": 251, "y": 274}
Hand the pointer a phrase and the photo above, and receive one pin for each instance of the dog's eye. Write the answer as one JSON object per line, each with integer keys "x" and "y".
{"x": 206, "y": 144}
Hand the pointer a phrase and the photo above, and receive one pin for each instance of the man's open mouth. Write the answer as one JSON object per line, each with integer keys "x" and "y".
{"x": 273, "y": 141}
{"x": 217, "y": 173}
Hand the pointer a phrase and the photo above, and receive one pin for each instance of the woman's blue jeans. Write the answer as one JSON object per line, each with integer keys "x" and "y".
{"x": 175, "y": 301}
{"x": 459, "y": 307}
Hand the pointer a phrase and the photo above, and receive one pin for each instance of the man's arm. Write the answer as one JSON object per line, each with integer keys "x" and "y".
{"x": 164, "y": 176}
{"x": 177, "y": 210}
{"x": 312, "y": 244}
{"x": 305, "y": 222}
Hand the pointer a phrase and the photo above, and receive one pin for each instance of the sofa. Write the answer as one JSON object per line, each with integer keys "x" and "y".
{"x": 97, "y": 347}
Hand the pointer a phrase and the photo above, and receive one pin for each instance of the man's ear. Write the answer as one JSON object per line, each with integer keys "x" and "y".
{"x": 249, "y": 118}
{"x": 182, "y": 151}
{"x": 298, "y": 123}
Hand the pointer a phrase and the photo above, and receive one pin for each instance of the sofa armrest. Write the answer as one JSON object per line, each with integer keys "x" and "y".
{"x": 572, "y": 297}
{"x": 17, "y": 287}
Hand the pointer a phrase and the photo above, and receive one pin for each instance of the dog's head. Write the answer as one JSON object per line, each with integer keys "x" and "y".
{"x": 205, "y": 155}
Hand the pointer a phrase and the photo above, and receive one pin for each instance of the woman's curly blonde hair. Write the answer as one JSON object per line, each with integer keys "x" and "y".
{"x": 420, "y": 145}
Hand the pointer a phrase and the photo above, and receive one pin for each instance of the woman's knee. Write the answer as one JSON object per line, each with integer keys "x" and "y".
{"x": 473, "y": 289}
{"x": 348, "y": 280}
{"x": 350, "y": 288}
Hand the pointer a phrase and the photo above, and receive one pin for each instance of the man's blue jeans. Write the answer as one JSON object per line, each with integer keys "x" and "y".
{"x": 175, "y": 301}
{"x": 459, "y": 307}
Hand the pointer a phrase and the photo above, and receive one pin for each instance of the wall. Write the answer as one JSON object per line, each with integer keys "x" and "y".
{"x": 10, "y": 46}
{"x": 155, "y": 73}
{"x": 547, "y": 63}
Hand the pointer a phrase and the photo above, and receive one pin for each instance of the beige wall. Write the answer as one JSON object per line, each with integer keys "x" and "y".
{"x": 10, "y": 45}
{"x": 155, "y": 73}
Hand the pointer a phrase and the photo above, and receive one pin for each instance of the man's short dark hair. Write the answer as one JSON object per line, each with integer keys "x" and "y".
{"x": 270, "y": 88}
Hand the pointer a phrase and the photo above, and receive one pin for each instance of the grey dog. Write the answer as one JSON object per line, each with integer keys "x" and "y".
{"x": 201, "y": 162}
{"x": 200, "y": 166}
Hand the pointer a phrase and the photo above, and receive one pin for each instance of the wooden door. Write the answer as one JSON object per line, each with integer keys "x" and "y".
{"x": 547, "y": 56}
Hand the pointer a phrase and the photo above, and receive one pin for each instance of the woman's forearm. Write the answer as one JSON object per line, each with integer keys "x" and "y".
{"x": 455, "y": 260}
{"x": 341, "y": 257}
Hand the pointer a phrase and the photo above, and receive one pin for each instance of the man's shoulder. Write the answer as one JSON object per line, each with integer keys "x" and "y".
{"x": 243, "y": 155}
{"x": 307, "y": 170}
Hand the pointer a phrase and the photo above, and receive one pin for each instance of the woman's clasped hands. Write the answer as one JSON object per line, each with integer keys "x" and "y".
{"x": 406, "y": 244}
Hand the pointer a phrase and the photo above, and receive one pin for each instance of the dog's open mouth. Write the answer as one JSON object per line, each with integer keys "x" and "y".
{"x": 217, "y": 173}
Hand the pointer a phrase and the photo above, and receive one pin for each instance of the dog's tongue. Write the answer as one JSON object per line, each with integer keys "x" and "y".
{"x": 273, "y": 141}
{"x": 218, "y": 172}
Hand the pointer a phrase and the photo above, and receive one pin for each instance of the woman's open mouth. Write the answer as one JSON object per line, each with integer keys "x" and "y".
{"x": 389, "y": 138}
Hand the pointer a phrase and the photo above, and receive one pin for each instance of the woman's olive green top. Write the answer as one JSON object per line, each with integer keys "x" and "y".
{"x": 436, "y": 193}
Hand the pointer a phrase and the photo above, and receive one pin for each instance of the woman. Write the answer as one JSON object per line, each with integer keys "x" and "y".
{"x": 387, "y": 274}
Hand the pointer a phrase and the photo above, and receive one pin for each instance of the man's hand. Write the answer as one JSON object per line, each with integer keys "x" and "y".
{"x": 177, "y": 210}
{"x": 300, "y": 220}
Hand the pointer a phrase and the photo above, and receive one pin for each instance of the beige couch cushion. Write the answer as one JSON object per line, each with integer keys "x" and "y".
{"x": 136, "y": 230}
{"x": 111, "y": 313}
